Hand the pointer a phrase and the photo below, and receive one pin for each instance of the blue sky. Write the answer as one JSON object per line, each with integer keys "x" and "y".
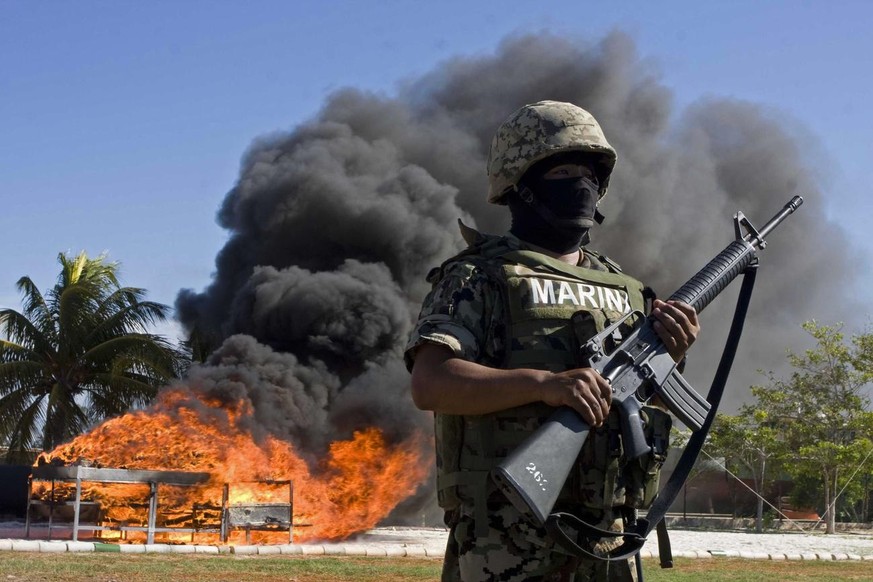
{"x": 122, "y": 124}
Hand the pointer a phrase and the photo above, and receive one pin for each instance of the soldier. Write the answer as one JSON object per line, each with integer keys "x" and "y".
{"x": 492, "y": 353}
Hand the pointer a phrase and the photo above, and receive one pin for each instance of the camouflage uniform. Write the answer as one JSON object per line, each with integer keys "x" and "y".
{"x": 465, "y": 312}
{"x": 468, "y": 311}
{"x": 514, "y": 549}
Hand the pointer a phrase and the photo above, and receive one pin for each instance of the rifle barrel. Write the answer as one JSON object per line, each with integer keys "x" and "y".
{"x": 792, "y": 205}
{"x": 706, "y": 284}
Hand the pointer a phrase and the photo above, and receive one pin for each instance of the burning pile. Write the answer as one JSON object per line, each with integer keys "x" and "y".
{"x": 360, "y": 481}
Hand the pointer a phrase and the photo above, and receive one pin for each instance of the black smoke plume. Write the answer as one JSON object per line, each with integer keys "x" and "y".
{"x": 334, "y": 225}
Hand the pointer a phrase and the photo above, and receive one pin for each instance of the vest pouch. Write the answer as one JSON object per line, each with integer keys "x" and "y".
{"x": 469, "y": 447}
{"x": 585, "y": 325}
{"x": 641, "y": 476}
{"x": 598, "y": 467}
{"x": 449, "y": 436}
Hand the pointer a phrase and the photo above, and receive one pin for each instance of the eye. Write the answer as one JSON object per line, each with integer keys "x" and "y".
{"x": 565, "y": 171}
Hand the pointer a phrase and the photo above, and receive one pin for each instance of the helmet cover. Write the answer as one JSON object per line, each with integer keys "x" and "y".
{"x": 540, "y": 130}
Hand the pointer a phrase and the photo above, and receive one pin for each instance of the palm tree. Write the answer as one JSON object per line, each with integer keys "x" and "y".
{"x": 78, "y": 355}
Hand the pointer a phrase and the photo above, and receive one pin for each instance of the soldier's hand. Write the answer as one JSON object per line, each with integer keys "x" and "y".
{"x": 582, "y": 389}
{"x": 677, "y": 325}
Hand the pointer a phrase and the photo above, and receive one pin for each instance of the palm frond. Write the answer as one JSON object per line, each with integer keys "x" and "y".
{"x": 64, "y": 417}
{"x": 27, "y": 428}
{"x": 128, "y": 392}
{"x": 12, "y": 406}
{"x": 23, "y": 376}
{"x": 81, "y": 269}
{"x": 146, "y": 351}
{"x": 132, "y": 317}
{"x": 21, "y": 330}
{"x": 35, "y": 307}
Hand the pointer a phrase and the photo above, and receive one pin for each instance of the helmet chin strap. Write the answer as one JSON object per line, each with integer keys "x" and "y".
{"x": 598, "y": 216}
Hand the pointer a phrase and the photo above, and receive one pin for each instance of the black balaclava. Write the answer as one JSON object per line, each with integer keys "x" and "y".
{"x": 555, "y": 214}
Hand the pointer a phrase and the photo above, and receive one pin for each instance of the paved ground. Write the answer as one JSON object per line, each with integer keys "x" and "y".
{"x": 688, "y": 543}
{"x": 430, "y": 542}
{"x": 769, "y": 545}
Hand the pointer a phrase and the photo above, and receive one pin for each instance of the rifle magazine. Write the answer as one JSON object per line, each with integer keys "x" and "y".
{"x": 684, "y": 402}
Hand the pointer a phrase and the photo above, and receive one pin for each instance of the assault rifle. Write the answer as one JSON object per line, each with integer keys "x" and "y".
{"x": 638, "y": 367}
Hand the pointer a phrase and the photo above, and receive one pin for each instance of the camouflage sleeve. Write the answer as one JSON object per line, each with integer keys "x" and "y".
{"x": 457, "y": 313}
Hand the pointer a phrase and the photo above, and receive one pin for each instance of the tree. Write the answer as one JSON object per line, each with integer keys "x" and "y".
{"x": 820, "y": 411}
{"x": 78, "y": 354}
{"x": 749, "y": 442}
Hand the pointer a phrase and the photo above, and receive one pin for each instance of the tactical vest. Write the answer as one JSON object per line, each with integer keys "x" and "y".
{"x": 541, "y": 295}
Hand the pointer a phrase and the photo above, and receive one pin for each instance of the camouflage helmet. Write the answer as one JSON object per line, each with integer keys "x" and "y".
{"x": 540, "y": 130}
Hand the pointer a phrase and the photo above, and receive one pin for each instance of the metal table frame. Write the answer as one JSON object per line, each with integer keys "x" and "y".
{"x": 80, "y": 474}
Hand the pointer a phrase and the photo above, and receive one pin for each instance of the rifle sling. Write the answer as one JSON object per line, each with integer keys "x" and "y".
{"x": 634, "y": 538}
{"x": 665, "y": 549}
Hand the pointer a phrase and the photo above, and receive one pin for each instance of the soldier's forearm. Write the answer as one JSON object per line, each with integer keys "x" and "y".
{"x": 446, "y": 384}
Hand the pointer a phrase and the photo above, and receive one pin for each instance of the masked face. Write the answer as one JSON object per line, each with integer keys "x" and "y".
{"x": 569, "y": 192}
{"x": 558, "y": 205}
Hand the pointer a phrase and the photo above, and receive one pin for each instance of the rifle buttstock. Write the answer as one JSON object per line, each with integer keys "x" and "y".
{"x": 534, "y": 473}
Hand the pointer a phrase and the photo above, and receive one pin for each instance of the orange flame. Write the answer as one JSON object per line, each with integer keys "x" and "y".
{"x": 350, "y": 491}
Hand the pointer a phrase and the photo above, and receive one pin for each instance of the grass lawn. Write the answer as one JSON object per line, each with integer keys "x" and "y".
{"x": 22, "y": 566}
